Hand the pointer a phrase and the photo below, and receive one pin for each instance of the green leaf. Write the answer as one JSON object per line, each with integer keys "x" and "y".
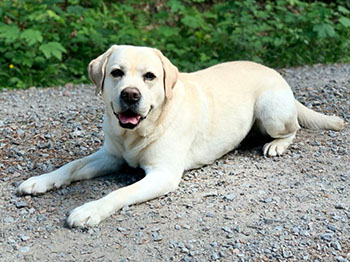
{"x": 176, "y": 6}
{"x": 55, "y": 16}
{"x": 191, "y": 21}
{"x": 52, "y": 49}
{"x": 10, "y": 33}
{"x": 324, "y": 30}
{"x": 344, "y": 21}
{"x": 343, "y": 10}
{"x": 31, "y": 36}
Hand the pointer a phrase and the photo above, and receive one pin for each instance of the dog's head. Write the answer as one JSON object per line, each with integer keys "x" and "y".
{"x": 133, "y": 81}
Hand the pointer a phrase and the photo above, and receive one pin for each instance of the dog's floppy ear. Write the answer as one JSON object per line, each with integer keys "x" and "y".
{"x": 170, "y": 74}
{"x": 97, "y": 69}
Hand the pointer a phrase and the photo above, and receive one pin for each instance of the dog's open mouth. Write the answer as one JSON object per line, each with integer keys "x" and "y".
{"x": 129, "y": 119}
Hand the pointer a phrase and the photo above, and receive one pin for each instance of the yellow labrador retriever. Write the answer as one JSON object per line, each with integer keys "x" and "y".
{"x": 166, "y": 122}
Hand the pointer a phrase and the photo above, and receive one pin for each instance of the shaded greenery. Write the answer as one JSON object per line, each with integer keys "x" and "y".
{"x": 50, "y": 42}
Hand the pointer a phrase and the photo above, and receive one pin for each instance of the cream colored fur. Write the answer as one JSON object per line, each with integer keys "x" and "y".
{"x": 190, "y": 119}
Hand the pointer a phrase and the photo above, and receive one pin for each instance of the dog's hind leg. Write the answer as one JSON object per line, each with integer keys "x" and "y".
{"x": 276, "y": 115}
{"x": 97, "y": 164}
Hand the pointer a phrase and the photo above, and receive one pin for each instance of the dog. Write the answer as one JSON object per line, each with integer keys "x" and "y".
{"x": 167, "y": 122}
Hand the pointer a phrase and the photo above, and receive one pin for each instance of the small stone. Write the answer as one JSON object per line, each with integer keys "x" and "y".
{"x": 327, "y": 236}
{"x": 230, "y": 196}
{"x": 304, "y": 233}
{"x": 210, "y": 214}
{"x": 341, "y": 259}
{"x": 121, "y": 229}
{"x": 24, "y": 237}
{"x": 336, "y": 245}
{"x": 185, "y": 250}
{"x": 339, "y": 206}
{"x": 11, "y": 241}
{"x": 210, "y": 194}
{"x": 226, "y": 229}
{"x": 287, "y": 254}
{"x": 186, "y": 226}
{"x": 214, "y": 244}
{"x": 267, "y": 251}
{"x": 157, "y": 237}
{"x": 21, "y": 204}
{"x": 177, "y": 227}
{"x": 295, "y": 230}
{"x": 332, "y": 227}
{"x": 186, "y": 259}
{"x": 8, "y": 220}
{"x": 215, "y": 256}
{"x": 24, "y": 249}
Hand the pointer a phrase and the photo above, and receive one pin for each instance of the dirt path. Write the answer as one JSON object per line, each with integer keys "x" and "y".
{"x": 244, "y": 207}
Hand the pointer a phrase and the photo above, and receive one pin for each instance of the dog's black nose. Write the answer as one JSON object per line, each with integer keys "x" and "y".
{"x": 130, "y": 95}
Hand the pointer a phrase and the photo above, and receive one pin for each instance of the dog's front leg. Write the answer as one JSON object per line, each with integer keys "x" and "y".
{"x": 97, "y": 164}
{"x": 157, "y": 182}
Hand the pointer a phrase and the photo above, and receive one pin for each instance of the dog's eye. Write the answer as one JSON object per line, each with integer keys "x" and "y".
{"x": 149, "y": 76}
{"x": 117, "y": 73}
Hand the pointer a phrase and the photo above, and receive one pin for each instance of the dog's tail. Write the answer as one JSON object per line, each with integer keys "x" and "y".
{"x": 314, "y": 120}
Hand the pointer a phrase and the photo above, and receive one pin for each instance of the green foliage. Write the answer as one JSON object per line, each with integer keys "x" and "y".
{"x": 50, "y": 42}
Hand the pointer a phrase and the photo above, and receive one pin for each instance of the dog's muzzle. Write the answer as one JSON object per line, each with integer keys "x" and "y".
{"x": 128, "y": 116}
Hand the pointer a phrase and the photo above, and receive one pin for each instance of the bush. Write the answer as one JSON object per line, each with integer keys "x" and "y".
{"x": 50, "y": 42}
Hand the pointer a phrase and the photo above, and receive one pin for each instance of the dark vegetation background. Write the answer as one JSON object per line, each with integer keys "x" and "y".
{"x": 50, "y": 42}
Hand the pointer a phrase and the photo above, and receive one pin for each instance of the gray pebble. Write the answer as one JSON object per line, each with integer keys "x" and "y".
{"x": 226, "y": 229}
{"x": 156, "y": 236}
{"x": 121, "y": 229}
{"x": 332, "y": 227}
{"x": 24, "y": 237}
{"x": 8, "y": 220}
{"x": 326, "y": 236}
{"x": 287, "y": 254}
{"x": 210, "y": 194}
{"x": 186, "y": 226}
{"x": 215, "y": 256}
{"x": 336, "y": 245}
{"x": 185, "y": 250}
{"x": 230, "y": 196}
{"x": 295, "y": 230}
{"x": 341, "y": 259}
{"x": 210, "y": 214}
{"x": 267, "y": 251}
{"x": 186, "y": 259}
{"x": 24, "y": 249}
{"x": 339, "y": 206}
{"x": 214, "y": 244}
{"x": 267, "y": 200}
{"x": 21, "y": 204}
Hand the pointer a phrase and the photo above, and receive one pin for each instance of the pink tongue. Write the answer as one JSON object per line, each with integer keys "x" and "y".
{"x": 125, "y": 119}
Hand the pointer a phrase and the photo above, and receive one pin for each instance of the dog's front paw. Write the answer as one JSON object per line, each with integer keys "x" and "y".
{"x": 89, "y": 214}
{"x": 35, "y": 185}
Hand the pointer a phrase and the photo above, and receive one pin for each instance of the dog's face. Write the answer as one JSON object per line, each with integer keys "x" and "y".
{"x": 134, "y": 81}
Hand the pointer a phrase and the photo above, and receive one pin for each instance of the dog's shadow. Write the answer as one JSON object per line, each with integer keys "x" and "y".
{"x": 254, "y": 142}
{"x": 125, "y": 176}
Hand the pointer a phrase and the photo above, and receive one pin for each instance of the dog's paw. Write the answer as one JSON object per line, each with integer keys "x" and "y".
{"x": 88, "y": 215}
{"x": 35, "y": 185}
{"x": 275, "y": 148}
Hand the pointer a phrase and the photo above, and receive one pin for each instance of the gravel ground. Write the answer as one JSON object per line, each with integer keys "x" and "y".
{"x": 243, "y": 207}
